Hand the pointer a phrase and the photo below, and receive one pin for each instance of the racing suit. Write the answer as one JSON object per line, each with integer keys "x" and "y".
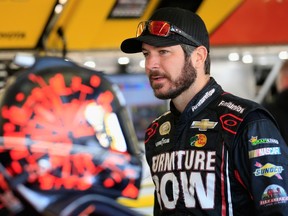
{"x": 222, "y": 156}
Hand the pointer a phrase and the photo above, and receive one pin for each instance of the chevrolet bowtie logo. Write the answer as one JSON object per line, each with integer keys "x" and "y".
{"x": 203, "y": 125}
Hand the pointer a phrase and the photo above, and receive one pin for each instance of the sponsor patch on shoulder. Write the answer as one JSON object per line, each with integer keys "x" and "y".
{"x": 268, "y": 170}
{"x": 273, "y": 194}
{"x": 264, "y": 151}
{"x": 232, "y": 106}
{"x": 255, "y": 141}
{"x": 165, "y": 128}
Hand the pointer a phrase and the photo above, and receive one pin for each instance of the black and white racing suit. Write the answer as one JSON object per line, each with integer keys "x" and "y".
{"x": 222, "y": 156}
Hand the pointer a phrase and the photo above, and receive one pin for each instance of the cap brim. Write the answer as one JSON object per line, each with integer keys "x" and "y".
{"x": 134, "y": 45}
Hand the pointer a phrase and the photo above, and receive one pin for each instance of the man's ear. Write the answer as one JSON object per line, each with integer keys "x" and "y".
{"x": 199, "y": 56}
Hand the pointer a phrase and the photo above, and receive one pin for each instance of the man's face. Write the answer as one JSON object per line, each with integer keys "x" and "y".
{"x": 168, "y": 71}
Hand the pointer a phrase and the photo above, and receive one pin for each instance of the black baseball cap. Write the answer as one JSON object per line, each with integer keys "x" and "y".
{"x": 186, "y": 20}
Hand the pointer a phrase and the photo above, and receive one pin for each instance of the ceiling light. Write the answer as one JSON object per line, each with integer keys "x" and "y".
{"x": 63, "y": 2}
{"x": 90, "y": 64}
{"x": 24, "y": 59}
{"x": 142, "y": 63}
{"x": 283, "y": 55}
{"x": 247, "y": 59}
{"x": 123, "y": 60}
{"x": 58, "y": 8}
{"x": 233, "y": 56}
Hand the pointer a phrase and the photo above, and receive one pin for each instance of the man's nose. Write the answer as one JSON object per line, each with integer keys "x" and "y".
{"x": 152, "y": 62}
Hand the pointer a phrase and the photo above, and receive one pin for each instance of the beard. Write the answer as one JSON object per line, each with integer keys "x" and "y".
{"x": 183, "y": 82}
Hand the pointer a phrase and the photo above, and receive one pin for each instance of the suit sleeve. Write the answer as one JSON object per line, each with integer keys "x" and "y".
{"x": 261, "y": 158}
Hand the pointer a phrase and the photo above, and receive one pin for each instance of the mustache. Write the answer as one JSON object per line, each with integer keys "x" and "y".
{"x": 153, "y": 73}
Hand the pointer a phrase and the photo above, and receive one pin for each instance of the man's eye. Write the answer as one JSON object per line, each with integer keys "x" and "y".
{"x": 163, "y": 51}
{"x": 145, "y": 54}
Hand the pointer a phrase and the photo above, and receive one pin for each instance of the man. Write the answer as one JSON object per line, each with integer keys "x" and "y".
{"x": 279, "y": 106}
{"x": 212, "y": 153}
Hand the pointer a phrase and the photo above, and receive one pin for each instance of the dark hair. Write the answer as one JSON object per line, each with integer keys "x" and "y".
{"x": 188, "y": 51}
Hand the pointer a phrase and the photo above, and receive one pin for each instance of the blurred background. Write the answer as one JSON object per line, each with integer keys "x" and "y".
{"x": 249, "y": 41}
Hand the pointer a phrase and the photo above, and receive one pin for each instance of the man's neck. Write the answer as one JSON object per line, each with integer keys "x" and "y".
{"x": 181, "y": 101}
